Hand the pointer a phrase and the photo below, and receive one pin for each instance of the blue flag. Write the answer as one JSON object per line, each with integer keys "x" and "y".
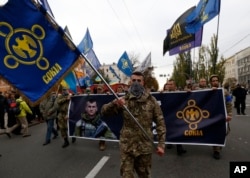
{"x": 94, "y": 61}
{"x": 125, "y": 65}
{"x": 205, "y": 11}
{"x": 86, "y": 44}
{"x": 35, "y": 57}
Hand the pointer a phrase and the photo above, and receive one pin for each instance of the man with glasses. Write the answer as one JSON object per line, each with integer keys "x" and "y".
{"x": 135, "y": 148}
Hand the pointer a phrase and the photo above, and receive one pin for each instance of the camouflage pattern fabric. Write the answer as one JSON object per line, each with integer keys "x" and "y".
{"x": 133, "y": 143}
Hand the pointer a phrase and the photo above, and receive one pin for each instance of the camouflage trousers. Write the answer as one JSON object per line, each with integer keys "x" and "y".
{"x": 62, "y": 123}
{"x": 140, "y": 165}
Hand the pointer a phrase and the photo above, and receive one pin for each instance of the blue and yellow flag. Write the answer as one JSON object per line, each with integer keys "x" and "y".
{"x": 125, "y": 65}
{"x": 69, "y": 82}
{"x": 35, "y": 56}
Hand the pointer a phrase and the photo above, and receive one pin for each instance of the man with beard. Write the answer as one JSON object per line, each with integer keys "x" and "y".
{"x": 214, "y": 82}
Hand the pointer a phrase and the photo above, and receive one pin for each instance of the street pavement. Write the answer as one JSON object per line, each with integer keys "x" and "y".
{"x": 28, "y": 158}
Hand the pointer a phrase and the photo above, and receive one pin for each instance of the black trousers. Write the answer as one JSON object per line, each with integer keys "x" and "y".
{"x": 240, "y": 105}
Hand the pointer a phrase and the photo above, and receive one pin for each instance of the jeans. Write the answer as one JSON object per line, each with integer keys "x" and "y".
{"x": 50, "y": 129}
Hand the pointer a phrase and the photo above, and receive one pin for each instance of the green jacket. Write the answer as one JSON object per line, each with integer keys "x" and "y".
{"x": 146, "y": 110}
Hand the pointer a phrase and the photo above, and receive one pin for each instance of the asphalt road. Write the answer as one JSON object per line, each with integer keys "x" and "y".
{"x": 28, "y": 158}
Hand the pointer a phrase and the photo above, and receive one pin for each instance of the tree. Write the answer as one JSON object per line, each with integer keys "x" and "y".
{"x": 213, "y": 52}
{"x": 182, "y": 69}
{"x": 134, "y": 59}
{"x": 150, "y": 82}
{"x": 206, "y": 65}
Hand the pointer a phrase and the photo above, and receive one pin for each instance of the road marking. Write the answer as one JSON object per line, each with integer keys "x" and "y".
{"x": 98, "y": 167}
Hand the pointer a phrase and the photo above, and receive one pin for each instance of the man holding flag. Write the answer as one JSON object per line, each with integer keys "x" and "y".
{"x": 135, "y": 148}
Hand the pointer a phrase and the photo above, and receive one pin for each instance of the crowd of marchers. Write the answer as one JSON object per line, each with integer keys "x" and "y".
{"x": 136, "y": 149}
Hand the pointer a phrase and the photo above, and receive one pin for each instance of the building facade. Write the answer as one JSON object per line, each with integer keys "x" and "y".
{"x": 115, "y": 75}
{"x": 238, "y": 67}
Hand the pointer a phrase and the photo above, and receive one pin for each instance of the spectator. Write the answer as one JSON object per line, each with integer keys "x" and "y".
{"x": 240, "y": 99}
{"x": 3, "y": 111}
{"x": 21, "y": 118}
{"x": 12, "y": 120}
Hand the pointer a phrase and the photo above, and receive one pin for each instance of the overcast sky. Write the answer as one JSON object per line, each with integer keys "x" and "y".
{"x": 139, "y": 26}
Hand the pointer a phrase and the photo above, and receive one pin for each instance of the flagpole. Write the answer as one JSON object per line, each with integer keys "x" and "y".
{"x": 216, "y": 40}
{"x": 72, "y": 46}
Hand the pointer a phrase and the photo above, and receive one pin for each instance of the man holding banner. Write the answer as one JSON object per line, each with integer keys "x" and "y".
{"x": 172, "y": 88}
{"x": 135, "y": 148}
{"x": 214, "y": 81}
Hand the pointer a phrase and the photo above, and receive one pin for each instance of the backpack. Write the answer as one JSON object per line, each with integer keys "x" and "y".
{"x": 15, "y": 108}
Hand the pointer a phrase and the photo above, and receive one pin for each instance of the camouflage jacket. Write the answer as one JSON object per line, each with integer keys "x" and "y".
{"x": 48, "y": 108}
{"x": 146, "y": 110}
{"x": 63, "y": 104}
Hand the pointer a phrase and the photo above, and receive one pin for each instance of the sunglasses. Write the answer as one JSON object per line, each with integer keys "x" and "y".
{"x": 136, "y": 80}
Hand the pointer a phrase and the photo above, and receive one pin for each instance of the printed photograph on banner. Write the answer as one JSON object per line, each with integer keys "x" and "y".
{"x": 85, "y": 120}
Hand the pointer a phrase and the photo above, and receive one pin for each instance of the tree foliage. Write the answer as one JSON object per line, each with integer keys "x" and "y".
{"x": 206, "y": 65}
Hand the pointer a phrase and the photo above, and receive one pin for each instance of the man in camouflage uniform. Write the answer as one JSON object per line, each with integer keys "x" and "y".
{"x": 214, "y": 81}
{"x": 91, "y": 124}
{"x": 63, "y": 104}
{"x": 135, "y": 148}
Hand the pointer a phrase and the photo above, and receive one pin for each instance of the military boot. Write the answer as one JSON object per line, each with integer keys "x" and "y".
{"x": 66, "y": 143}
